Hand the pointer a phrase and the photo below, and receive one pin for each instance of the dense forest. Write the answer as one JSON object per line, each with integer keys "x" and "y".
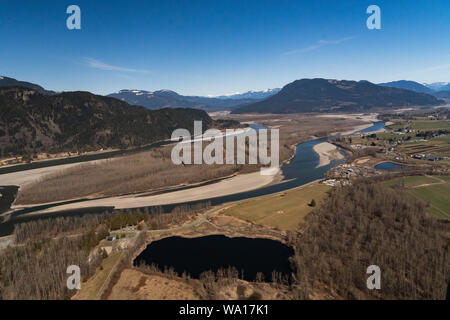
{"x": 35, "y": 267}
{"x": 359, "y": 225}
{"x": 31, "y": 122}
{"x": 366, "y": 224}
{"x": 38, "y": 270}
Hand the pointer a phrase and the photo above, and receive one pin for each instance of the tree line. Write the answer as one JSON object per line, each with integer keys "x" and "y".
{"x": 367, "y": 224}
{"x": 35, "y": 267}
{"x": 154, "y": 218}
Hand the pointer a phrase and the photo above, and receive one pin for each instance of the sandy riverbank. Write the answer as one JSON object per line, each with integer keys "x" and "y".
{"x": 22, "y": 178}
{"x": 366, "y": 121}
{"x": 237, "y": 184}
{"x": 327, "y": 152}
{"x": 355, "y": 129}
{"x": 372, "y": 117}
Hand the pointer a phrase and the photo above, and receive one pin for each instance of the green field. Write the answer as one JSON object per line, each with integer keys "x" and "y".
{"x": 430, "y": 124}
{"x": 438, "y": 196}
{"x": 421, "y": 125}
{"x": 389, "y": 135}
{"x": 437, "y": 146}
{"x": 433, "y": 190}
{"x": 396, "y": 126}
{"x": 410, "y": 182}
{"x": 445, "y": 178}
{"x": 285, "y": 211}
{"x": 445, "y": 139}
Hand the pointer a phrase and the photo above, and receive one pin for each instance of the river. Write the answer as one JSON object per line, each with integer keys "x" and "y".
{"x": 300, "y": 170}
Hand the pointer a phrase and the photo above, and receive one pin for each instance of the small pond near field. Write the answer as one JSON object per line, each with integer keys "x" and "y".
{"x": 389, "y": 166}
{"x": 196, "y": 255}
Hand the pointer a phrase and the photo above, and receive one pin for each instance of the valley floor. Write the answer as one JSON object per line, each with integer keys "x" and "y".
{"x": 236, "y": 184}
{"x": 113, "y": 179}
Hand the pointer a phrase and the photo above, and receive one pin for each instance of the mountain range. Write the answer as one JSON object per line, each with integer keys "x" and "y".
{"x": 438, "y": 86}
{"x": 164, "y": 98}
{"x": 80, "y": 121}
{"x": 442, "y": 94}
{"x": 438, "y": 89}
{"x": 408, "y": 85}
{"x": 325, "y": 95}
{"x": 10, "y": 82}
{"x": 257, "y": 95}
{"x": 304, "y": 95}
{"x": 171, "y": 99}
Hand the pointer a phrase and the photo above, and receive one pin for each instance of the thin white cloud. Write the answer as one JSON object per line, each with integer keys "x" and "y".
{"x": 430, "y": 70}
{"x": 435, "y": 68}
{"x": 317, "y": 45}
{"x": 96, "y": 64}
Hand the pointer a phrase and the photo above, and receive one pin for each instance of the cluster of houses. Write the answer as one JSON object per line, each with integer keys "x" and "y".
{"x": 114, "y": 243}
{"x": 387, "y": 150}
{"x": 341, "y": 174}
{"x": 334, "y": 182}
{"x": 429, "y": 157}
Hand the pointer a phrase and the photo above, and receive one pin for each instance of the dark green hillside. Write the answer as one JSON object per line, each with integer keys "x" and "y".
{"x": 10, "y": 82}
{"x": 322, "y": 95}
{"x": 79, "y": 121}
{"x": 408, "y": 85}
{"x": 442, "y": 94}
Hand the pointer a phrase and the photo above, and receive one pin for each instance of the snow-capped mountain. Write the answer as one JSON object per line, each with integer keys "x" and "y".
{"x": 259, "y": 95}
{"x": 408, "y": 85}
{"x": 170, "y": 99}
{"x": 438, "y": 86}
{"x": 440, "y": 90}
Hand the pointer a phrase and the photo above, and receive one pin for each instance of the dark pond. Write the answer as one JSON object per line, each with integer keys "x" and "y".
{"x": 388, "y": 166}
{"x": 197, "y": 255}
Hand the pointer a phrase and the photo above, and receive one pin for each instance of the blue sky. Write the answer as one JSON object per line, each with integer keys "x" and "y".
{"x": 220, "y": 47}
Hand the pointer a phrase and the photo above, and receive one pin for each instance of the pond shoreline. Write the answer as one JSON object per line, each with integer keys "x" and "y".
{"x": 251, "y": 255}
